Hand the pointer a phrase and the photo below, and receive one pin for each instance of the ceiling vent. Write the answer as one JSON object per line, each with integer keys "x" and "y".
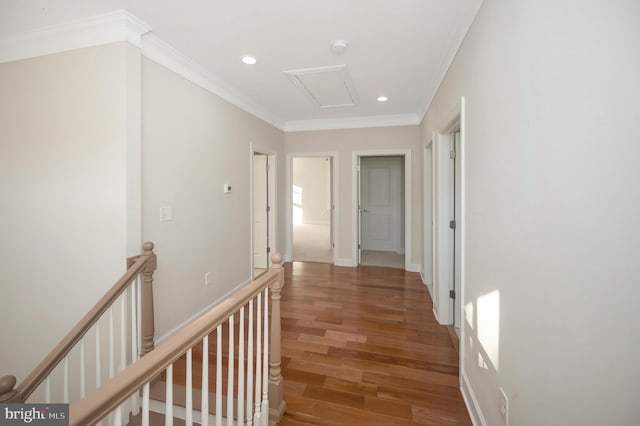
{"x": 327, "y": 87}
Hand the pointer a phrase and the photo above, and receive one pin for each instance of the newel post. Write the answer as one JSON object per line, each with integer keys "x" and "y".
{"x": 277, "y": 405}
{"x": 7, "y": 391}
{"x": 148, "y": 326}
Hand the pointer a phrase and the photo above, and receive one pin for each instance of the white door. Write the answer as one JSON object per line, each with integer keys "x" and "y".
{"x": 260, "y": 212}
{"x": 381, "y": 203}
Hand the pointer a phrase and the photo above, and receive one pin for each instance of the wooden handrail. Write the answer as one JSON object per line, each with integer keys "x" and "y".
{"x": 113, "y": 393}
{"x": 145, "y": 263}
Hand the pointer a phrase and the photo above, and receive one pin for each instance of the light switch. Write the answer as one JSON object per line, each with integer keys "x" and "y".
{"x": 227, "y": 188}
{"x": 166, "y": 214}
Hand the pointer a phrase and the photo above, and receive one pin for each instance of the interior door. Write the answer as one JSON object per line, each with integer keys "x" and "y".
{"x": 260, "y": 212}
{"x": 381, "y": 201}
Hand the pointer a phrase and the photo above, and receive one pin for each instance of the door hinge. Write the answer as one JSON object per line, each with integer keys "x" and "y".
{"x": 452, "y": 224}
{"x": 268, "y": 249}
{"x": 452, "y": 154}
{"x": 268, "y": 208}
{"x": 333, "y": 245}
{"x": 452, "y": 294}
{"x": 358, "y": 246}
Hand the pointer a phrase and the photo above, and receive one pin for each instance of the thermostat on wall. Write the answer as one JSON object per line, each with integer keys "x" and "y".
{"x": 227, "y": 188}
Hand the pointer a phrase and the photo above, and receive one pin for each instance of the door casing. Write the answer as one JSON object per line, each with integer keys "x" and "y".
{"x": 272, "y": 200}
{"x": 355, "y": 182}
{"x": 288, "y": 256}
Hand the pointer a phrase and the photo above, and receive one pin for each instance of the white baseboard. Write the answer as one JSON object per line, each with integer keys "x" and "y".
{"x": 471, "y": 401}
{"x": 345, "y": 262}
{"x": 316, "y": 222}
{"x": 415, "y": 267}
{"x": 160, "y": 339}
{"x": 435, "y": 314}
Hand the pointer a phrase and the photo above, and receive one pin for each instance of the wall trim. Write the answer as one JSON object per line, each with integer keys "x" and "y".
{"x": 111, "y": 27}
{"x": 121, "y": 25}
{"x": 345, "y": 262}
{"x": 198, "y": 314}
{"x": 415, "y": 267}
{"x": 169, "y": 57}
{"x": 470, "y": 400}
{"x": 352, "y": 122}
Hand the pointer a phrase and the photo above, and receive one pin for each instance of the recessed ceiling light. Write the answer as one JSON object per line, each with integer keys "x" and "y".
{"x": 382, "y": 99}
{"x": 249, "y": 60}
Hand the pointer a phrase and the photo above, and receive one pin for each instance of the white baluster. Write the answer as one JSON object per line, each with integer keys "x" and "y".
{"x": 123, "y": 333}
{"x": 250, "y": 367}
{"x": 117, "y": 416}
{"x": 219, "y": 376}
{"x": 83, "y": 381}
{"x": 123, "y": 349}
{"x": 112, "y": 354}
{"x": 98, "y": 360}
{"x": 47, "y": 390}
{"x": 241, "y": 369}
{"x": 230, "y": 373}
{"x": 65, "y": 391}
{"x": 189, "y": 391}
{"x": 135, "y": 403}
{"x": 265, "y": 362}
{"x": 205, "y": 382}
{"x": 168, "y": 411}
{"x": 257, "y": 413}
{"x": 139, "y": 313}
{"x": 145, "y": 405}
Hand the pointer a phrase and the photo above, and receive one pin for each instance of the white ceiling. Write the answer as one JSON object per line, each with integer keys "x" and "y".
{"x": 397, "y": 48}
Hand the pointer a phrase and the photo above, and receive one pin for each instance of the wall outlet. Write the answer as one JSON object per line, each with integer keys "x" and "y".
{"x": 504, "y": 407}
{"x": 207, "y": 279}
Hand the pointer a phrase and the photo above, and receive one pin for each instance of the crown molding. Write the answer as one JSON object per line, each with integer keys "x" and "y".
{"x": 169, "y": 57}
{"x": 352, "y": 122}
{"x": 110, "y": 27}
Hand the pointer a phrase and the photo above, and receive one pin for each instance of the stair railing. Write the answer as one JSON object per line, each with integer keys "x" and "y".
{"x": 250, "y": 399}
{"x": 125, "y": 313}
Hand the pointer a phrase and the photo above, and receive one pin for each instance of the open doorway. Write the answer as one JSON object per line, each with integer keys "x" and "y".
{"x": 381, "y": 194}
{"x": 312, "y": 209}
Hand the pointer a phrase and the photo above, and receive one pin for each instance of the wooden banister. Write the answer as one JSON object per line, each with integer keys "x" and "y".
{"x": 145, "y": 263}
{"x": 103, "y": 400}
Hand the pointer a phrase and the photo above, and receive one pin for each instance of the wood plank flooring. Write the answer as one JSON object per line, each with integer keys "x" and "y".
{"x": 360, "y": 346}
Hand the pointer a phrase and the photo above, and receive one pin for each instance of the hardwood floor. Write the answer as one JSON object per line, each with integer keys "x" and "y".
{"x": 360, "y": 346}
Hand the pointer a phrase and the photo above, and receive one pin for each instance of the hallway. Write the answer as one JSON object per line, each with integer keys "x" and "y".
{"x": 361, "y": 346}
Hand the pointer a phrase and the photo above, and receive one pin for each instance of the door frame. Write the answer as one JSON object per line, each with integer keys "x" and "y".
{"x": 272, "y": 198}
{"x": 442, "y": 137}
{"x": 288, "y": 256}
{"x": 428, "y": 210}
{"x": 355, "y": 228}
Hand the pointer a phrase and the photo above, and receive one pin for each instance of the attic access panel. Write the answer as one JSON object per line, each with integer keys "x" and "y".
{"x": 327, "y": 87}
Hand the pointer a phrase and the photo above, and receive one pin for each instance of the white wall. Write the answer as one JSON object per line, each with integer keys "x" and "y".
{"x": 313, "y": 176}
{"x": 552, "y": 101}
{"x": 193, "y": 143}
{"x": 64, "y": 174}
{"x": 344, "y": 142}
